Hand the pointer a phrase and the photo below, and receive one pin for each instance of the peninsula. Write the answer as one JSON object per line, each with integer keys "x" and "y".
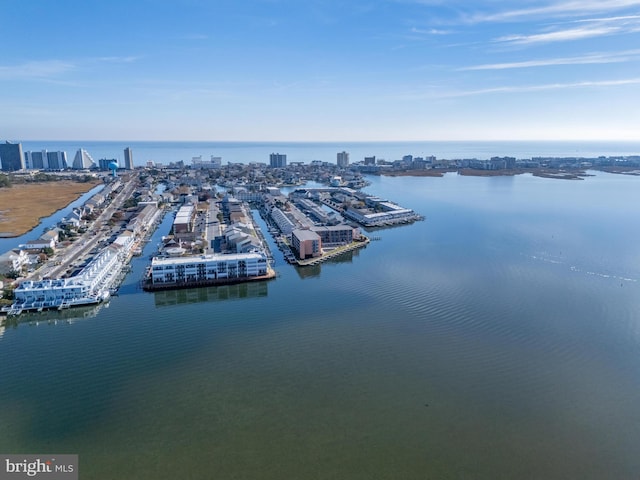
{"x": 568, "y": 168}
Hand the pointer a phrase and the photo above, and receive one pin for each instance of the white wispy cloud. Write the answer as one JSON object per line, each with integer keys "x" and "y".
{"x": 430, "y": 31}
{"x": 625, "y": 18}
{"x": 596, "y": 58}
{"x": 559, "y": 35}
{"x": 128, "y": 59}
{"x": 546, "y": 87}
{"x": 56, "y": 71}
{"x": 522, "y": 89}
{"x": 45, "y": 69}
{"x": 578, "y": 30}
{"x": 557, "y": 9}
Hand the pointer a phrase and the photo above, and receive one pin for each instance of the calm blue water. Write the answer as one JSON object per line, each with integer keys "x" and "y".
{"x": 246, "y": 152}
{"x": 499, "y": 338}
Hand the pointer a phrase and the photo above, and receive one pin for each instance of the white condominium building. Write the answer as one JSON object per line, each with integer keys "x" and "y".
{"x": 208, "y": 268}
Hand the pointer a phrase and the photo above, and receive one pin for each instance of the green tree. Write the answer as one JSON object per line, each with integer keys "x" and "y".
{"x": 7, "y": 292}
{"x": 130, "y": 202}
{"x": 13, "y": 274}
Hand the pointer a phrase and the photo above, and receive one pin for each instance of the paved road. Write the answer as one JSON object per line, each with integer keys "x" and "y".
{"x": 91, "y": 238}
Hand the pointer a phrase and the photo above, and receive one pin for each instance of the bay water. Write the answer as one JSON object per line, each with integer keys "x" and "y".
{"x": 498, "y": 338}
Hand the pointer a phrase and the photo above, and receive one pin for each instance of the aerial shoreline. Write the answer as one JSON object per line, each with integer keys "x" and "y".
{"x": 563, "y": 174}
{"x": 32, "y": 202}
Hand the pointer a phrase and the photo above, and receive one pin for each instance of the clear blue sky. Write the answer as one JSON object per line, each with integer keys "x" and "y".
{"x": 320, "y": 69}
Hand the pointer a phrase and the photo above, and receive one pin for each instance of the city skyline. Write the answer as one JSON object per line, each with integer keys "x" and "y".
{"x": 323, "y": 70}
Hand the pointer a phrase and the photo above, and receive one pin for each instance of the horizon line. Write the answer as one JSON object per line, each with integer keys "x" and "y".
{"x": 587, "y": 140}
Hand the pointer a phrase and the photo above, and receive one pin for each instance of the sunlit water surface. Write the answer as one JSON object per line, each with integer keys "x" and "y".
{"x": 499, "y": 338}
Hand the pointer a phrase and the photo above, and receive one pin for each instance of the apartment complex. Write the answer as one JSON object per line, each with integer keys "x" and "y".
{"x": 277, "y": 160}
{"x": 208, "y": 269}
{"x": 44, "y": 160}
{"x": 306, "y": 244}
{"x": 128, "y": 158}
{"x": 11, "y": 158}
{"x": 343, "y": 159}
{"x": 82, "y": 160}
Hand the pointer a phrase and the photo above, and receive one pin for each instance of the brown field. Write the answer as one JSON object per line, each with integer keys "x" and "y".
{"x": 23, "y": 205}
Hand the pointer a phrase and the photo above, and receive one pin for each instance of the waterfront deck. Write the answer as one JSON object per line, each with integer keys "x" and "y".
{"x": 332, "y": 253}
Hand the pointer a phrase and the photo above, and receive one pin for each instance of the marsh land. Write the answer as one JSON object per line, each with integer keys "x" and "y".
{"x": 23, "y": 205}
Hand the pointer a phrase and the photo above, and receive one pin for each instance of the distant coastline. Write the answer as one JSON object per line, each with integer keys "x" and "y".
{"x": 247, "y": 152}
{"x": 536, "y": 172}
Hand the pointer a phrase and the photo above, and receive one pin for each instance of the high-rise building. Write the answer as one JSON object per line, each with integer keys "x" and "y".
{"x": 45, "y": 160}
{"x": 57, "y": 160}
{"x": 128, "y": 158}
{"x": 343, "y": 159}
{"x": 36, "y": 160}
{"x": 277, "y": 160}
{"x": 11, "y": 157}
{"x": 370, "y": 160}
{"x": 82, "y": 160}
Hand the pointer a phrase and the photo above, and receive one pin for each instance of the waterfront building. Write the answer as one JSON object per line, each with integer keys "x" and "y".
{"x": 48, "y": 239}
{"x": 74, "y": 219}
{"x": 128, "y": 158}
{"x": 45, "y": 160}
{"x": 343, "y": 159}
{"x": 36, "y": 160}
{"x": 207, "y": 269}
{"x": 335, "y": 235}
{"x": 124, "y": 242}
{"x": 503, "y": 162}
{"x": 241, "y": 238}
{"x": 419, "y": 163}
{"x": 277, "y": 160}
{"x": 82, "y": 160}
{"x": 185, "y": 220}
{"x": 306, "y": 244}
{"x": 143, "y": 219}
{"x": 89, "y": 286}
{"x": 11, "y": 157}
{"x": 368, "y": 219}
{"x": 13, "y": 260}
{"x": 315, "y": 211}
{"x": 57, "y": 160}
{"x": 50, "y": 293}
{"x": 284, "y": 223}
